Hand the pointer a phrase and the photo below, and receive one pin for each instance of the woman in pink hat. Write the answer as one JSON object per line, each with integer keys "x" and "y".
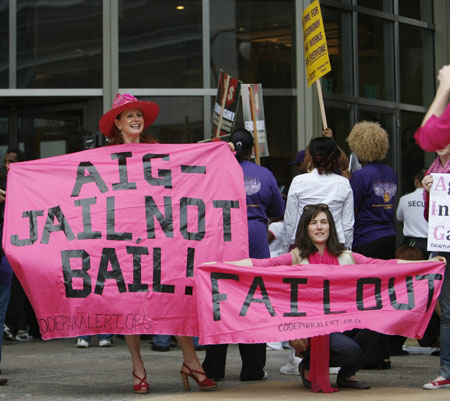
{"x": 125, "y": 123}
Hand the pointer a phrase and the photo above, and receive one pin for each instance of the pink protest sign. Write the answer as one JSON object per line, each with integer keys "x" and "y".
{"x": 106, "y": 240}
{"x": 258, "y": 305}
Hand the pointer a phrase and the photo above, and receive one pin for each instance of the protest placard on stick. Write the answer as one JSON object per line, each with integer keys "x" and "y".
{"x": 225, "y": 105}
{"x": 317, "y": 60}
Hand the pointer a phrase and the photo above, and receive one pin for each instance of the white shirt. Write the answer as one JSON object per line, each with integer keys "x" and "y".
{"x": 276, "y": 245}
{"x": 410, "y": 212}
{"x": 313, "y": 188}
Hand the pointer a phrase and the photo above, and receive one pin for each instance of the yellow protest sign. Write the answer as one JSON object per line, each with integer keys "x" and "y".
{"x": 315, "y": 44}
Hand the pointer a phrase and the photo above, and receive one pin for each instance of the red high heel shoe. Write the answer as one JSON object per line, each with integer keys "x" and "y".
{"x": 205, "y": 384}
{"x": 142, "y": 387}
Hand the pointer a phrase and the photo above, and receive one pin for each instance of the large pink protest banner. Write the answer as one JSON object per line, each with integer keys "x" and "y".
{"x": 258, "y": 305}
{"x": 106, "y": 240}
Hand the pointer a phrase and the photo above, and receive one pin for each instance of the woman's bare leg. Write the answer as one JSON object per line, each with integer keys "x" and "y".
{"x": 134, "y": 346}
{"x": 190, "y": 357}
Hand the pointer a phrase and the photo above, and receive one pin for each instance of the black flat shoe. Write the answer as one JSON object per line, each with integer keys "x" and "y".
{"x": 301, "y": 370}
{"x": 359, "y": 385}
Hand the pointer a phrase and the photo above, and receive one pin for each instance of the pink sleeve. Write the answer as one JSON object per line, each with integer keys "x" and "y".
{"x": 282, "y": 260}
{"x": 361, "y": 259}
{"x": 435, "y": 134}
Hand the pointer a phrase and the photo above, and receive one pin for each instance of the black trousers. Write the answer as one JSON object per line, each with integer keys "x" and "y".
{"x": 253, "y": 361}
{"x": 348, "y": 350}
{"x": 381, "y": 248}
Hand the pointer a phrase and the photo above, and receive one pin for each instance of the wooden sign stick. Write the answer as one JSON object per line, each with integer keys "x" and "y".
{"x": 255, "y": 129}
{"x": 322, "y": 107}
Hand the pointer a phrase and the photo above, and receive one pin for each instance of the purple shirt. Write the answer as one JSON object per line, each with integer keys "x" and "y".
{"x": 374, "y": 191}
{"x": 264, "y": 200}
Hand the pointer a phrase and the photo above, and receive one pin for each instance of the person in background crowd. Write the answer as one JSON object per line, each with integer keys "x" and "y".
{"x": 264, "y": 201}
{"x": 410, "y": 211}
{"x": 374, "y": 190}
{"x": 300, "y": 162}
{"x": 5, "y": 268}
{"x": 125, "y": 123}
{"x": 441, "y": 165}
{"x": 321, "y": 185}
{"x": 317, "y": 242}
{"x": 434, "y": 134}
{"x": 20, "y": 322}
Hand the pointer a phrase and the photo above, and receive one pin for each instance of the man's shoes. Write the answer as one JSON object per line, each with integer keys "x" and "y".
{"x": 24, "y": 336}
{"x": 104, "y": 342}
{"x": 436, "y": 352}
{"x": 398, "y": 352}
{"x": 275, "y": 346}
{"x": 291, "y": 367}
{"x": 3, "y": 382}
{"x": 359, "y": 385}
{"x": 8, "y": 334}
{"x": 160, "y": 348}
{"x": 436, "y": 384}
{"x": 264, "y": 376}
{"x": 301, "y": 370}
{"x": 82, "y": 343}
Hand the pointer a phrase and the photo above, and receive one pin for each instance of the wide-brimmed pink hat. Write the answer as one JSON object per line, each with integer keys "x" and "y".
{"x": 126, "y": 102}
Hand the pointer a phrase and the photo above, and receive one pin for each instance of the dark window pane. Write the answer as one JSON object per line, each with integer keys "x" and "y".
{"x": 417, "y": 9}
{"x": 4, "y": 137}
{"x": 160, "y": 46}
{"x": 4, "y": 43}
{"x": 180, "y": 119}
{"x": 338, "y": 31}
{"x": 412, "y": 156}
{"x": 253, "y": 40}
{"x": 59, "y": 44}
{"x": 376, "y": 58}
{"x": 381, "y": 5}
{"x": 338, "y": 120}
{"x": 416, "y": 65}
{"x": 280, "y": 124}
{"x": 44, "y": 137}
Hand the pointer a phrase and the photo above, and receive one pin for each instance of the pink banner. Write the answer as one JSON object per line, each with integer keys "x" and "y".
{"x": 106, "y": 240}
{"x": 258, "y": 305}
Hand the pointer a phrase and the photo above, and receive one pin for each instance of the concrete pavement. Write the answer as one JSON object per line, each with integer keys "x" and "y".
{"x": 57, "y": 370}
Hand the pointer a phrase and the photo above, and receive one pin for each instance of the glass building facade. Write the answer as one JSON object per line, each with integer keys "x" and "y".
{"x": 63, "y": 61}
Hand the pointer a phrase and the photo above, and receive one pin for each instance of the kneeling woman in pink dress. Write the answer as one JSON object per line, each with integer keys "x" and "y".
{"x": 317, "y": 243}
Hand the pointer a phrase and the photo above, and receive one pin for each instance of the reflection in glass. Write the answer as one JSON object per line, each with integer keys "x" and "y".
{"x": 160, "y": 46}
{"x": 180, "y": 119}
{"x": 253, "y": 40}
{"x": 417, "y": 9}
{"x": 4, "y": 43}
{"x": 381, "y": 5}
{"x": 376, "y": 58}
{"x": 44, "y": 137}
{"x": 416, "y": 65}
{"x": 412, "y": 156}
{"x": 59, "y": 44}
{"x": 339, "y": 40}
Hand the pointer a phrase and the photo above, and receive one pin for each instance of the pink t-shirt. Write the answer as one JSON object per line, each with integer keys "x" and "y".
{"x": 435, "y": 134}
{"x": 286, "y": 260}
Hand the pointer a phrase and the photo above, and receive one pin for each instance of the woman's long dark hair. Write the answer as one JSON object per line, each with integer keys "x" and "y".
{"x": 302, "y": 240}
{"x": 243, "y": 143}
{"x": 325, "y": 155}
